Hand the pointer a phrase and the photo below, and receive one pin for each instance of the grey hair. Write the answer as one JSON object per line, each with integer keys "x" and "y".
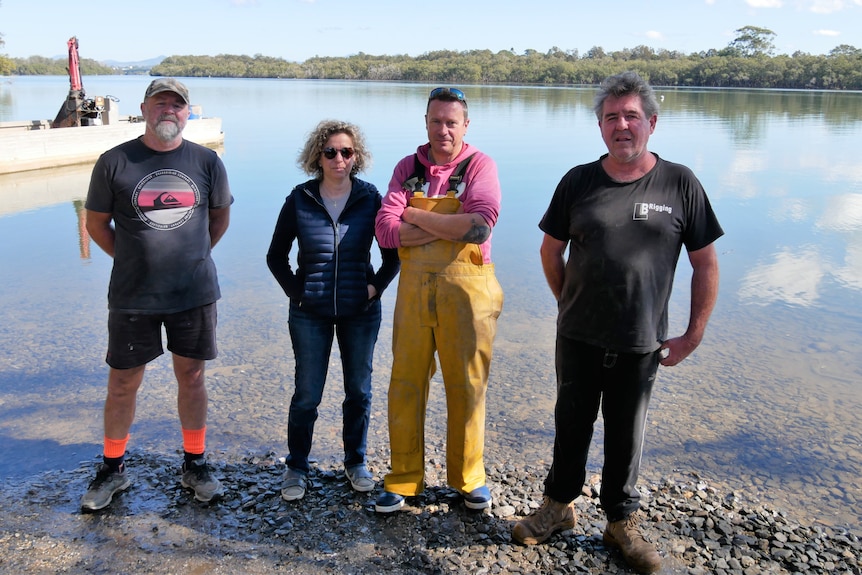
{"x": 626, "y": 84}
{"x": 309, "y": 157}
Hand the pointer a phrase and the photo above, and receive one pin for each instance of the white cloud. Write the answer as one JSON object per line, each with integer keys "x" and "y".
{"x": 793, "y": 277}
{"x": 850, "y": 273}
{"x": 826, "y": 6}
{"x": 765, "y": 3}
{"x": 842, "y": 214}
{"x": 827, "y": 33}
{"x": 654, "y": 35}
{"x": 791, "y": 209}
{"x": 737, "y": 181}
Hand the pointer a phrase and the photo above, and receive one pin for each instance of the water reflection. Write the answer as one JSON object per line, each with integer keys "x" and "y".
{"x": 792, "y": 277}
{"x": 750, "y": 113}
{"x": 38, "y": 189}
{"x": 795, "y": 275}
{"x": 83, "y": 235}
{"x": 843, "y": 213}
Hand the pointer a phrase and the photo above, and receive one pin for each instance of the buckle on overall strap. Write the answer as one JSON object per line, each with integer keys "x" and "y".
{"x": 415, "y": 182}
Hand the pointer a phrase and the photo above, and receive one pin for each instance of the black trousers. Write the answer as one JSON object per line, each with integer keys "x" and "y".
{"x": 621, "y": 383}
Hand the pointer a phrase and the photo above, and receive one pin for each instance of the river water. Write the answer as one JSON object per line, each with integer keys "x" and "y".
{"x": 769, "y": 404}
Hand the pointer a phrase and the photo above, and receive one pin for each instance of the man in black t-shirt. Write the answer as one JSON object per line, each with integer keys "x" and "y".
{"x": 157, "y": 205}
{"x": 624, "y": 219}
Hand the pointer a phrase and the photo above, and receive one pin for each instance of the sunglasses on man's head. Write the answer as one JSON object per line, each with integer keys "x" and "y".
{"x": 330, "y": 153}
{"x": 454, "y": 93}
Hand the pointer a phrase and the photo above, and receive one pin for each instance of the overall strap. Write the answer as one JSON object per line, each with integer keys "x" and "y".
{"x": 458, "y": 173}
{"x": 417, "y": 180}
{"x": 418, "y": 171}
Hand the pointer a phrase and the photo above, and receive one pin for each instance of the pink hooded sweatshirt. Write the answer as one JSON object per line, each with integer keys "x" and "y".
{"x": 481, "y": 195}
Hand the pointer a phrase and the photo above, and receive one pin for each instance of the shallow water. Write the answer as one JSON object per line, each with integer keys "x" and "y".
{"x": 770, "y": 402}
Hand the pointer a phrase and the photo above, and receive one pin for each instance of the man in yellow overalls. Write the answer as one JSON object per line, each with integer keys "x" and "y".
{"x": 440, "y": 208}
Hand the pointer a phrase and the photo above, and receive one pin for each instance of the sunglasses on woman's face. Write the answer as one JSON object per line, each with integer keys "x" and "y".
{"x": 330, "y": 153}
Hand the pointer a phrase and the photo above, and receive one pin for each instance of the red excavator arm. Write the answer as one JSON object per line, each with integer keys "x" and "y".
{"x": 74, "y": 65}
{"x": 70, "y": 112}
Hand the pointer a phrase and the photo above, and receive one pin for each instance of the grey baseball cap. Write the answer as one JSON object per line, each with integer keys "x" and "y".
{"x": 160, "y": 85}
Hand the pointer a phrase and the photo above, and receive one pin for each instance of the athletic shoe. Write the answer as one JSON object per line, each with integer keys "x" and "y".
{"x": 479, "y": 498}
{"x": 102, "y": 489}
{"x": 360, "y": 478}
{"x": 388, "y": 502}
{"x": 197, "y": 476}
{"x": 295, "y": 483}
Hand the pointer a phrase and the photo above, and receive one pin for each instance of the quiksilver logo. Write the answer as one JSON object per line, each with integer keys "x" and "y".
{"x": 643, "y": 209}
{"x": 165, "y": 199}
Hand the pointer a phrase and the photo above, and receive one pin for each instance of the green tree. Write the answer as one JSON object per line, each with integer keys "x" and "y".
{"x": 595, "y": 53}
{"x": 746, "y": 63}
{"x": 7, "y": 66}
{"x": 753, "y": 41}
{"x": 842, "y": 50}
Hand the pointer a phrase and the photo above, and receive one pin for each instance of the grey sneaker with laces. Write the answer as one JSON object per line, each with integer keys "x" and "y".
{"x": 101, "y": 491}
{"x": 198, "y": 476}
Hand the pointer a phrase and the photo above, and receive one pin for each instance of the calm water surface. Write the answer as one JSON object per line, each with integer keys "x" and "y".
{"x": 769, "y": 404}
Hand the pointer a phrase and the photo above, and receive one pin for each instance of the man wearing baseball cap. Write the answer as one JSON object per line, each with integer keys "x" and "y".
{"x": 160, "y": 85}
{"x": 157, "y": 205}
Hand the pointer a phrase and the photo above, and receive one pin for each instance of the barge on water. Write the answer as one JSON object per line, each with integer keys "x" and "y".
{"x": 83, "y": 129}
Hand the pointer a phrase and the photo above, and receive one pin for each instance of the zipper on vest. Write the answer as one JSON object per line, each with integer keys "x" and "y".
{"x": 335, "y": 228}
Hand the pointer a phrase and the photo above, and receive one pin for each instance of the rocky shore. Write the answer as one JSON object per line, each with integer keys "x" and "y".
{"x": 157, "y": 527}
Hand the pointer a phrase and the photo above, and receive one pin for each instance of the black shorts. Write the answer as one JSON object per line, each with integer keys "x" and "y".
{"x": 136, "y": 339}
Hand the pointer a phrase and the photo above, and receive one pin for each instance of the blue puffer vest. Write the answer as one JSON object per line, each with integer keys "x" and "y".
{"x": 334, "y": 257}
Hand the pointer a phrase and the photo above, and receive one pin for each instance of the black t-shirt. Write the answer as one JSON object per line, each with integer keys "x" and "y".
{"x": 160, "y": 204}
{"x": 624, "y": 244}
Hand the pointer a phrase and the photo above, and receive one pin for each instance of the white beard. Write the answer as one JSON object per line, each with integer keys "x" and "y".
{"x": 167, "y": 130}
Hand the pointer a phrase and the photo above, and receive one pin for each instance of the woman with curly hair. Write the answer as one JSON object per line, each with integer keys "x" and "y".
{"x": 334, "y": 292}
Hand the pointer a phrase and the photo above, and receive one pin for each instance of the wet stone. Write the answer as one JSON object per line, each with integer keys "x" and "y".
{"x": 156, "y": 526}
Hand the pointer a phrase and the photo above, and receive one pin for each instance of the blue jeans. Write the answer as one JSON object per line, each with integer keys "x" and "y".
{"x": 312, "y": 337}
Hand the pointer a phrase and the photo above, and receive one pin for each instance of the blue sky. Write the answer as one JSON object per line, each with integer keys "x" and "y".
{"x": 299, "y": 29}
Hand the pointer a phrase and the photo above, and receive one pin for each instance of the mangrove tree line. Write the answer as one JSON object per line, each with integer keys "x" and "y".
{"x": 749, "y": 61}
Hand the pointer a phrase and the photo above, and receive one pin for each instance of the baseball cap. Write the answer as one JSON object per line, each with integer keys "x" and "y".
{"x": 160, "y": 85}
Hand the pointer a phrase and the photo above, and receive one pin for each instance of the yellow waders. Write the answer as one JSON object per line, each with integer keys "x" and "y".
{"x": 448, "y": 301}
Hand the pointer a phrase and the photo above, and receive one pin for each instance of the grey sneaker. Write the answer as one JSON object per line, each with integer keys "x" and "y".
{"x": 102, "y": 489}
{"x": 360, "y": 478}
{"x": 197, "y": 476}
{"x": 295, "y": 483}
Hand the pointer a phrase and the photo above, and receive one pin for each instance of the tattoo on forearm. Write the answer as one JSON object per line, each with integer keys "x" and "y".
{"x": 478, "y": 232}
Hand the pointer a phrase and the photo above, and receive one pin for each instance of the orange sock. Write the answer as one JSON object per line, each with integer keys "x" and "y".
{"x": 195, "y": 440}
{"x": 115, "y": 448}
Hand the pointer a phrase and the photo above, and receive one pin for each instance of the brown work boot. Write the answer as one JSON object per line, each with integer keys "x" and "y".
{"x": 626, "y": 536}
{"x": 551, "y": 517}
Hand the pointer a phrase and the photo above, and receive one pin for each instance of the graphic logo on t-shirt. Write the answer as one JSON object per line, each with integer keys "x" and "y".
{"x": 642, "y": 210}
{"x": 165, "y": 199}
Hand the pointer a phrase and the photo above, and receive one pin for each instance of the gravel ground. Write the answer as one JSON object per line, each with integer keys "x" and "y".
{"x": 157, "y": 527}
{"x": 750, "y": 467}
